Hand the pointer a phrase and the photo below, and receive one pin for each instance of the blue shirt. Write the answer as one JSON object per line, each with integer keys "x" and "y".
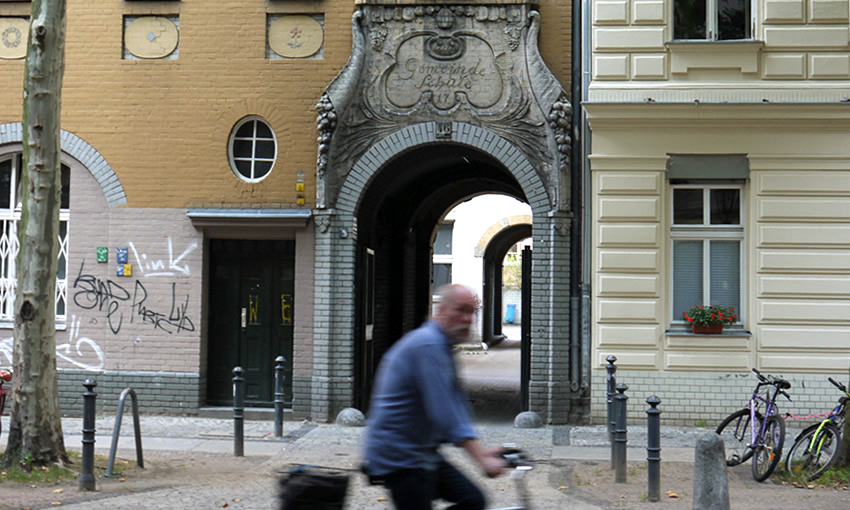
{"x": 416, "y": 405}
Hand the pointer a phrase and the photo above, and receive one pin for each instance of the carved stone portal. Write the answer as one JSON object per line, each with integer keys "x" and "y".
{"x": 478, "y": 64}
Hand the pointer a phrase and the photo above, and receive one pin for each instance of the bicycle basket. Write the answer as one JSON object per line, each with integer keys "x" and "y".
{"x": 307, "y": 488}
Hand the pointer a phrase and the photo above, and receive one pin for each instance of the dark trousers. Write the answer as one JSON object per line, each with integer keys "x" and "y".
{"x": 415, "y": 489}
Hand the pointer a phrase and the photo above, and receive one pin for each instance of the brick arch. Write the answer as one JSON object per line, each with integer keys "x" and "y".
{"x": 500, "y": 149}
{"x": 77, "y": 148}
{"x": 499, "y": 226}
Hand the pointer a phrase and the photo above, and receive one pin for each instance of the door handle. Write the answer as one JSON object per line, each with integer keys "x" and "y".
{"x": 244, "y": 317}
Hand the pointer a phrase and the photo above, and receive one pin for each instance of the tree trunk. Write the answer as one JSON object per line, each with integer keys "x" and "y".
{"x": 35, "y": 432}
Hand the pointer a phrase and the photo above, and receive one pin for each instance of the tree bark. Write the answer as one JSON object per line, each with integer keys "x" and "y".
{"x": 35, "y": 431}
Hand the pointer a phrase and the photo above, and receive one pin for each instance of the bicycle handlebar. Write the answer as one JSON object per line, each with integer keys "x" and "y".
{"x": 780, "y": 383}
{"x": 837, "y": 384}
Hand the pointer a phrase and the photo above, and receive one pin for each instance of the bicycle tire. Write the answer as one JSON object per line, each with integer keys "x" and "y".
{"x": 768, "y": 452}
{"x": 735, "y": 432}
{"x": 812, "y": 464}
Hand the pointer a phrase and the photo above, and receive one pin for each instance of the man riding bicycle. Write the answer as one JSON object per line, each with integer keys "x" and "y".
{"x": 417, "y": 404}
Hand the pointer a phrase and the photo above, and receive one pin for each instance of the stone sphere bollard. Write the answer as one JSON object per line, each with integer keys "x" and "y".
{"x": 350, "y": 417}
{"x": 528, "y": 420}
{"x": 711, "y": 486}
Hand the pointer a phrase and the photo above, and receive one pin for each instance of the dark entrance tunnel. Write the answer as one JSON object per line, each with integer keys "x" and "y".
{"x": 396, "y": 220}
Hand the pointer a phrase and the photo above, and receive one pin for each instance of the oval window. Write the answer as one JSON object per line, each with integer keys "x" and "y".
{"x": 252, "y": 149}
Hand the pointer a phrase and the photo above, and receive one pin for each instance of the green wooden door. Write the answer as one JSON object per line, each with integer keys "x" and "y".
{"x": 251, "y": 318}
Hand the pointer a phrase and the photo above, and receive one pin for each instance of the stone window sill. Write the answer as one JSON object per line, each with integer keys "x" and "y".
{"x": 741, "y": 55}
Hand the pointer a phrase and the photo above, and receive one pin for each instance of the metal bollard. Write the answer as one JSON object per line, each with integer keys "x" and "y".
{"x": 620, "y": 439}
{"x": 653, "y": 449}
{"x": 87, "y": 482}
{"x": 278, "y": 395}
{"x": 612, "y": 383}
{"x": 238, "y": 413}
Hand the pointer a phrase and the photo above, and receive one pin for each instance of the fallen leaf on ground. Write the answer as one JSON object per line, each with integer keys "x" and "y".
{"x": 237, "y": 500}
{"x": 122, "y": 479}
{"x": 382, "y": 499}
{"x": 564, "y": 487}
{"x": 56, "y": 503}
{"x": 671, "y": 494}
{"x": 58, "y": 491}
{"x": 225, "y": 505}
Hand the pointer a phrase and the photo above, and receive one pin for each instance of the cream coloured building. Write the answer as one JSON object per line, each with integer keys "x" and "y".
{"x": 720, "y": 170}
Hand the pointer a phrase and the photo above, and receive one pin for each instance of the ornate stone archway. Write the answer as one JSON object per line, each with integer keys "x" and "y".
{"x": 432, "y": 75}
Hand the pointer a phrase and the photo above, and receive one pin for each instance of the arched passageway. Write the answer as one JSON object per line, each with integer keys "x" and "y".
{"x": 396, "y": 221}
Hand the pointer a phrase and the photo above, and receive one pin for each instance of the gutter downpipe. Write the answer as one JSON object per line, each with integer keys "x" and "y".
{"x": 577, "y": 355}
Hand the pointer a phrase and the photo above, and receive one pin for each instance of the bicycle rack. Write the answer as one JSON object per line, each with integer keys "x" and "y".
{"x": 117, "y": 429}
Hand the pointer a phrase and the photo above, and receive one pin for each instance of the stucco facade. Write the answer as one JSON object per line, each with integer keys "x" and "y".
{"x": 776, "y": 103}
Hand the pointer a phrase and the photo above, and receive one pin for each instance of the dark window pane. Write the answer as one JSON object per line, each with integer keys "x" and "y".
{"x": 265, "y": 150}
{"x": 244, "y": 168}
{"x": 689, "y": 19}
{"x": 243, "y": 148}
{"x": 687, "y": 276}
{"x": 687, "y": 206}
{"x": 246, "y": 130}
{"x": 5, "y": 182}
{"x": 725, "y": 278}
{"x": 442, "y": 275}
{"x": 261, "y": 168}
{"x": 60, "y": 306}
{"x": 725, "y": 207}
{"x": 733, "y": 19}
{"x": 65, "y": 191}
{"x": 443, "y": 243}
{"x": 263, "y": 130}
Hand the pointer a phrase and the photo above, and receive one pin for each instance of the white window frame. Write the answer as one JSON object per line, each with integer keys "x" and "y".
{"x": 712, "y": 23}
{"x": 10, "y": 246}
{"x": 254, "y": 159}
{"x": 442, "y": 259}
{"x": 706, "y": 232}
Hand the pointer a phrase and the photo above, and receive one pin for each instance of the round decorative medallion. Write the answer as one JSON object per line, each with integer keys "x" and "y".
{"x": 151, "y": 37}
{"x": 296, "y": 36}
{"x": 13, "y": 38}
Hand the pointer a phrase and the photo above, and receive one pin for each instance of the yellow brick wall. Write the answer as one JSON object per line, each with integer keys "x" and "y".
{"x": 163, "y": 125}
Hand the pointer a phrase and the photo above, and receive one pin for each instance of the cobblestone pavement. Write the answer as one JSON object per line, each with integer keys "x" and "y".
{"x": 197, "y": 469}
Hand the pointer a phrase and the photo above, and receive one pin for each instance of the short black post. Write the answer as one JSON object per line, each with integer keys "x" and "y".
{"x": 612, "y": 384}
{"x": 238, "y": 413}
{"x": 278, "y": 395}
{"x": 620, "y": 439}
{"x": 87, "y": 482}
{"x": 653, "y": 448}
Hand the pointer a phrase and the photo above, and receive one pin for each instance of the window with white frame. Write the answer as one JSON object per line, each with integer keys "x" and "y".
{"x": 707, "y": 235}
{"x": 252, "y": 149}
{"x": 10, "y": 215}
{"x": 442, "y": 262}
{"x": 714, "y": 20}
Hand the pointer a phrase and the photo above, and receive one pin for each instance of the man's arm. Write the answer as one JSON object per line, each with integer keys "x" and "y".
{"x": 489, "y": 459}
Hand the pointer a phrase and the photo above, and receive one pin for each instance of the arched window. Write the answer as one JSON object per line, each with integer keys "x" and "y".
{"x": 11, "y": 165}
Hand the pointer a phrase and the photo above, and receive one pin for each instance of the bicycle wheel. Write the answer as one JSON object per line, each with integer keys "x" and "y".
{"x": 811, "y": 456}
{"x": 735, "y": 432}
{"x": 768, "y": 451}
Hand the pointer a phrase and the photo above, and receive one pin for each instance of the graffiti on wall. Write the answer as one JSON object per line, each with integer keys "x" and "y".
{"x": 80, "y": 351}
{"x": 151, "y": 266}
{"x": 115, "y": 302}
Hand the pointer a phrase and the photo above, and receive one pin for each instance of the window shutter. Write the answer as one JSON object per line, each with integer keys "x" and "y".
{"x": 725, "y": 268}
{"x": 687, "y": 276}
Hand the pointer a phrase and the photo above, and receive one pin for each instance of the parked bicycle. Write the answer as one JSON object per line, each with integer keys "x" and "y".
{"x": 758, "y": 430}
{"x": 816, "y": 448}
{"x": 5, "y": 389}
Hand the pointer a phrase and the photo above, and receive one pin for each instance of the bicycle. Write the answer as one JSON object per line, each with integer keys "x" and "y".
{"x": 324, "y": 488}
{"x": 5, "y": 377}
{"x": 766, "y": 431}
{"x": 816, "y": 448}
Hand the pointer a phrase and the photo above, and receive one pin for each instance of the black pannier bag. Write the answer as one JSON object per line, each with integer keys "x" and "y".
{"x": 307, "y": 488}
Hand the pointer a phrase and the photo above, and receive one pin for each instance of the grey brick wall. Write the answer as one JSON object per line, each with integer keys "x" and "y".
{"x": 705, "y": 398}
